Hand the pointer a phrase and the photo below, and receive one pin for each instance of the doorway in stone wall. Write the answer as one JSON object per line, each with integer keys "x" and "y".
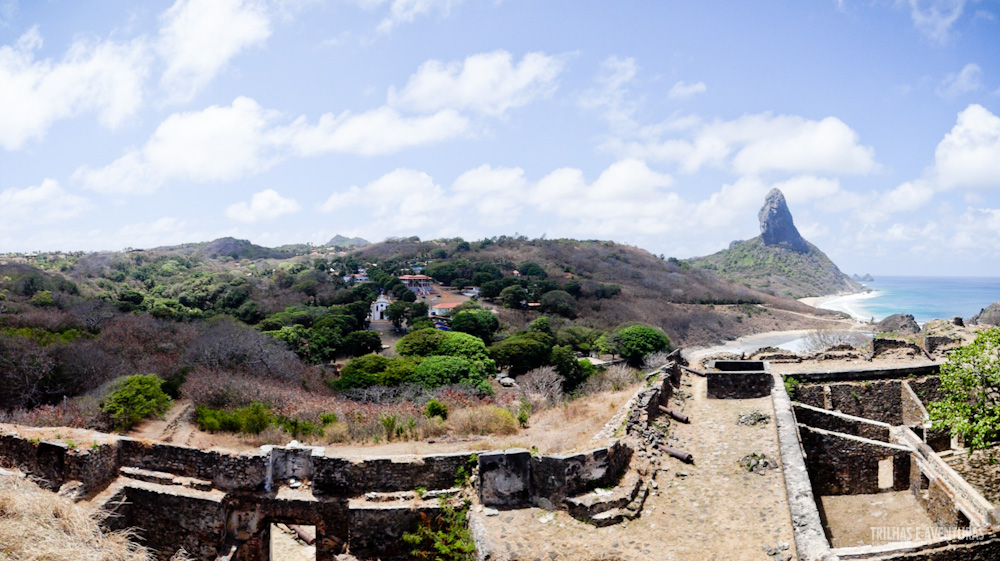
{"x": 292, "y": 542}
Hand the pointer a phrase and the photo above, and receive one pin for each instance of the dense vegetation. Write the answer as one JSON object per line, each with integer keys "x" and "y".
{"x": 236, "y": 327}
{"x": 778, "y": 270}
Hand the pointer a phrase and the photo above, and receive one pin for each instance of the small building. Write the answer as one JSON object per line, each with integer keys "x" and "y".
{"x": 418, "y": 284}
{"x": 379, "y": 307}
{"x": 444, "y": 309}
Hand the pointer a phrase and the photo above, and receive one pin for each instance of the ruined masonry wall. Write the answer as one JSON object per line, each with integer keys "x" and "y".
{"x": 832, "y": 421}
{"x": 840, "y": 465}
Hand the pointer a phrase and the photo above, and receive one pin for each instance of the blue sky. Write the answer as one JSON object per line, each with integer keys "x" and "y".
{"x": 658, "y": 124}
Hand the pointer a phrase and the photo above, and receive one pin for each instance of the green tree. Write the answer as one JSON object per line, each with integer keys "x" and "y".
{"x": 637, "y": 341}
{"x": 970, "y": 387}
{"x": 396, "y": 312}
{"x": 135, "y": 398}
{"x": 532, "y": 269}
{"x": 512, "y": 296}
{"x": 422, "y": 342}
{"x": 568, "y": 366}
{"x": 480, "y": 323}
{"x": 523, "y": 351}
{"x": 361, "y": 372}
{"x": 359, "y": 343}
{"x": 436, "y": 371}
{"x": 559, "y": 302}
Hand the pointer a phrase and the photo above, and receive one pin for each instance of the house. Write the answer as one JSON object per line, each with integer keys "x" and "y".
{"x": 444, "y": 309}
{"x": 419, "y": 284}
{"x": 379, "y": 307}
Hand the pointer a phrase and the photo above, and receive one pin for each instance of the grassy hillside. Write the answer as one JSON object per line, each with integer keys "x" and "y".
{"x": 777, "y": 270}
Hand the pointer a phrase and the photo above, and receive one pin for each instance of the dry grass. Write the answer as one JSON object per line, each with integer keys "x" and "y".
{"x": 36, "y": 524}
{"x": 484, "y": 420}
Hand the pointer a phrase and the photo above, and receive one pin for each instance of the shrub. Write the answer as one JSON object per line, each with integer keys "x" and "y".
{"x": 484, "y": 420}
{"x": 637, "y": 341}
{"x": 361, "y": 372}
{"x": 445, "y": 537}
{"x": 436, "y": 409}
{"x": 135, "y": 398}
{"x": 252, "y": 419}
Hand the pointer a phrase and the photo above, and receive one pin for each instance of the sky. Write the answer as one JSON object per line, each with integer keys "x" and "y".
{"x": 659, "y": 124}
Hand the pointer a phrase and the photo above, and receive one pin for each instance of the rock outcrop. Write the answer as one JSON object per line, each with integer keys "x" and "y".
{"x": 778, "y": 261}
{"x": 776, "y": 225}
{"x": 898, "y": 323}
{"x": 990, "y": 315}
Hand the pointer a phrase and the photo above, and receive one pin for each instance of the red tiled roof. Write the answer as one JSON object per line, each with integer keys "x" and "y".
{"x": 446, "y": 305}
{"x": 414, "y": 277}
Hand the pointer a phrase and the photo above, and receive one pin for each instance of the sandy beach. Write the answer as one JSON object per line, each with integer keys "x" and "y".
{"x": 851, "y": 304}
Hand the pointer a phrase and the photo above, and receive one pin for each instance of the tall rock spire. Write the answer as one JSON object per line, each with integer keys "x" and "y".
{"x": 776, "y": 226}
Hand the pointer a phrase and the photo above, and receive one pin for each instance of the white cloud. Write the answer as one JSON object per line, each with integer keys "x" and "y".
{"x": 761, "y": 143}
{"x": 495, "y": 193}
{"x": 489, "y": 83}
{"x": 934, "y": 18}
{"x": 804, "y": 189}
{"x": 215, "y": 144}
{"x": 104, "y": 77}
{"x": 265, "y": 205}
{"x": 610, "y": 95}
{"x": 399, "y": 201}
{"x": 405, "y": 11}
{"x": 199, "y": 37}
{"x": 42, "y": 204}
{"x": 380, "y": 131}
{"x": 682, "y": 90}
{"x": 966, "y": 81}
{"x": 969, "y": 155}
{"x": 906, "y": 197}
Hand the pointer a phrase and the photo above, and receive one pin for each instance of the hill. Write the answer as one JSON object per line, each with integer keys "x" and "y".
{"x": 694, "y": 306}
{"x": 344, "y": 242}
{"x": 779, "y": 261}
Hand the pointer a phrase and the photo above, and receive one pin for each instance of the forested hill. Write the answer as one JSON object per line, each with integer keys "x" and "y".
{"x": 611, "y": 283}
{"x": 779, "y": 261}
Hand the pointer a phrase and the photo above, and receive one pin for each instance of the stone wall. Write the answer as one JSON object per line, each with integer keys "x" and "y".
{"x": 183, "y": 518}
{"x": 878, "y": 400}
{"x": 839, "y": 422}
{"x": 346, "y": 476}
{"x": 554, "y": 478}
{"x": 841, "y": 464}
{"x": 738, "y": 385}
{"x": 738, "y": 379}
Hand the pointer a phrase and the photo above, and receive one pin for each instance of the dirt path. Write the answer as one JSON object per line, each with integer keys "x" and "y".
{"x": 177, "y": 426}
{"x": 710, "y": 510}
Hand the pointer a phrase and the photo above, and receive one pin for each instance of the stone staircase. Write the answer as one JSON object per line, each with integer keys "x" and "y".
{"x": 605, "y": 507}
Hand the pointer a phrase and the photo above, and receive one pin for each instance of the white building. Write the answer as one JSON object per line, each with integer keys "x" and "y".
{"x": 379, "y": 307}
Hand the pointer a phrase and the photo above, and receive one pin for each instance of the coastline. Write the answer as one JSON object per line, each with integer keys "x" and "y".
{"x": 849, "y": 303}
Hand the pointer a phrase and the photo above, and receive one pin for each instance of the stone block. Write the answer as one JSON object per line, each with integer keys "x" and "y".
{"x": 505, "y": 478}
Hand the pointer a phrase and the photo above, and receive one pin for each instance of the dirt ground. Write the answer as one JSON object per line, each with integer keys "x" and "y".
{"x": 712, "y": 509}
{"x": 851, "y": 520}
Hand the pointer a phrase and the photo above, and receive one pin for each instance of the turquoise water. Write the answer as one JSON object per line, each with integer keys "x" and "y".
{"x": 926, "y": 298}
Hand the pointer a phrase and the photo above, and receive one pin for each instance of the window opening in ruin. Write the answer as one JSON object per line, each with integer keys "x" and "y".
{"x": 924, "y": 481}
{"x": 292, "y": 542}
{"x": 885, "y": 474}
{"x": 963, "y": 520}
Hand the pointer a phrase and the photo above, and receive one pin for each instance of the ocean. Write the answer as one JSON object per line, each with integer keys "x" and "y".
{"x": 927, "y": 298}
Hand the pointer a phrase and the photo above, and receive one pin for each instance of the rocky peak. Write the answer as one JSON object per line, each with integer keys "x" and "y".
{"x": 776, "y": 226}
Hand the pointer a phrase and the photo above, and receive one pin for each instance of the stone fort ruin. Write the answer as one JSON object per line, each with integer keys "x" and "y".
{"x": 843, "y": 435}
